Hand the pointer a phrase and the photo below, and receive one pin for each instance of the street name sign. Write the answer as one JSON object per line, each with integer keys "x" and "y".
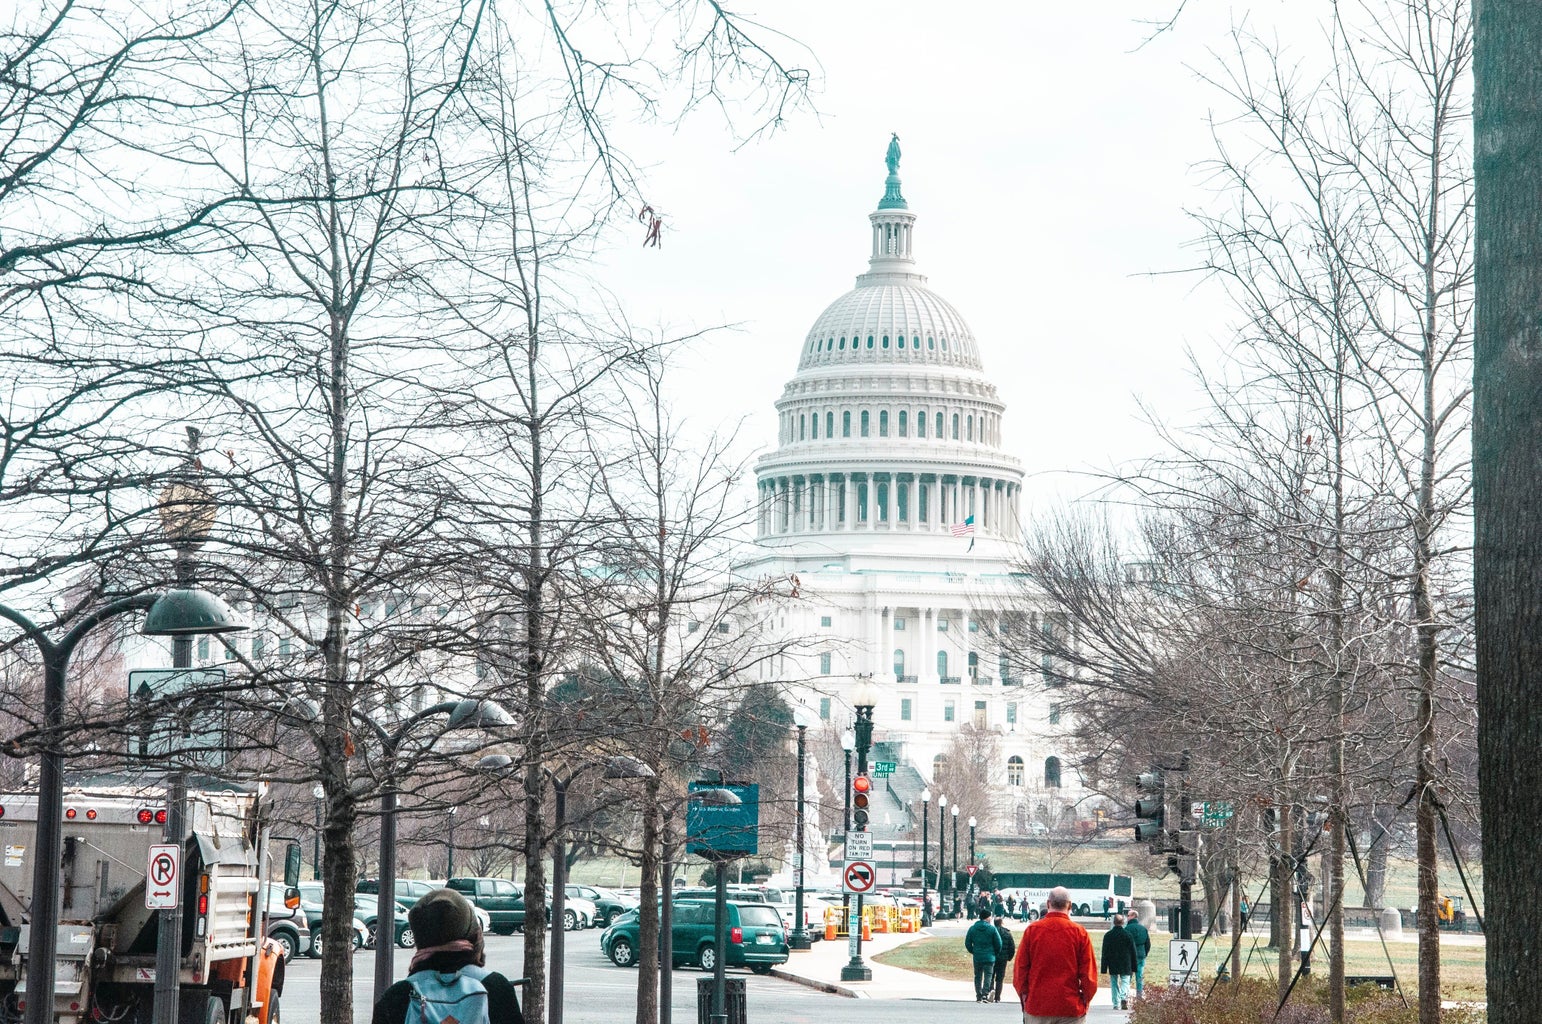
{"x": 163, "y": 876}
{"x": 883, "y": 769}
{"x": 1217, "y": 813}
{"x": 859, "y": 846}
{"x": 179, "y": 715}
{"x": 859, "y": 877}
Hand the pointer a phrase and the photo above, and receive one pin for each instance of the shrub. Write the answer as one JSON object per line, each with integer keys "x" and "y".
{"x": 1253, "y": 1001}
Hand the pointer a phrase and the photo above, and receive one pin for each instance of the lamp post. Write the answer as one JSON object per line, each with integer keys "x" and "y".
{"x": 463, "y": 715}
{"x": 319, "y": 792}
{"x": 953, "y": 881}
{"x": 848, "y": 743}
{"x": 802, "y": 717}
{"x": 174, "y": 613}
{"x": 971, "y": 840}
{"x": 863, "y": 698}
{"x": 619, "y": 767}
{"x": 942, "y": 852}
{"x": 926, "y": 821}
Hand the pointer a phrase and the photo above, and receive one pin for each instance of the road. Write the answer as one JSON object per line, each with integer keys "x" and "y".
{"x": 601, "y": 993}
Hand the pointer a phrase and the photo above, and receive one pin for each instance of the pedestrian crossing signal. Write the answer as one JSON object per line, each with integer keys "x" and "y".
{"x": 861, "y": 788}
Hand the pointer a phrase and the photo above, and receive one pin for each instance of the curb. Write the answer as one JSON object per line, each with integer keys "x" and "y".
{"x": 816, "y": 984}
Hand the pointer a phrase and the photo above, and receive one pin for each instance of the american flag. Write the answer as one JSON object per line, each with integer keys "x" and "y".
{"x": 964, "y": 529}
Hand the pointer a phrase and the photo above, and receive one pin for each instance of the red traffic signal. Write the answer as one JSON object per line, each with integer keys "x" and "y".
{"x": 860, "y": 787}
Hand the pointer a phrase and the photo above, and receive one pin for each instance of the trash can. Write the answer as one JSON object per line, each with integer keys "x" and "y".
{"x": 733, "y": 1000}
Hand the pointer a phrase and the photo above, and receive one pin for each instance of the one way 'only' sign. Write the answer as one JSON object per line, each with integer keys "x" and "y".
{"x": 859, "y": 877}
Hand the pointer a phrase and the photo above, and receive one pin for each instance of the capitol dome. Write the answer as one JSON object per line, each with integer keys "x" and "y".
{"x": 890, "y": 426}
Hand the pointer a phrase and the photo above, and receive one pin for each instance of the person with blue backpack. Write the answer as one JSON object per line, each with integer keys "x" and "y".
{"x": 448, "y": 980}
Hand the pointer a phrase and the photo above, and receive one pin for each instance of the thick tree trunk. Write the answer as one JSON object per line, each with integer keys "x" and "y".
{"x": 1283, "y": 906}
{"x": 1507, "y": 476}
{"x": 1377, "y": 850}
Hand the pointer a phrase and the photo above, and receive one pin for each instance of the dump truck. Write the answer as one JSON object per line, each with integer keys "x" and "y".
{"x": 105, "y": 967}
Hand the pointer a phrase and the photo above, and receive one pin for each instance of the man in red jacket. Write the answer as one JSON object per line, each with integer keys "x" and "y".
{"x": 1055, "y": 975}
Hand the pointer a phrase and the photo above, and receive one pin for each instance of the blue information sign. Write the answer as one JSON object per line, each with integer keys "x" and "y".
{"x": 734, "y": 830}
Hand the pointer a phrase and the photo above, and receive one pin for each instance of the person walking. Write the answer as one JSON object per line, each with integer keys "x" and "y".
{"x": 1142, "y": 939}
{"x": 1011, "y": 905}
{"x": 1055, "y": 974}
{"x": 983, "y": 942}
{"x": 1243, "y": 916}
{"x": 1004, "y": 959}
{"x": 1118, "y": 961}
{"x": 998, "y": 905}
{"x": 448, "y": 973}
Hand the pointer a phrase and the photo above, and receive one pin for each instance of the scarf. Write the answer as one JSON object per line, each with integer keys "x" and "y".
{"x": 424, "y": 953}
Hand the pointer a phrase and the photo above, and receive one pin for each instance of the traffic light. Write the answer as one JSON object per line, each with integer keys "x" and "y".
{"x": 1151, "y": 808}
{"x": 861, "y": 787}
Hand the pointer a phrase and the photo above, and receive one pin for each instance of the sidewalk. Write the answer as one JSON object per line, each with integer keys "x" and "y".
{"x": 820, "y": 967}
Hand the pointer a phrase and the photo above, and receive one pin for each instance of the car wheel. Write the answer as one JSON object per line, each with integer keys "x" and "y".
{"x": 622, "y": 954}
{"x": 215, "y": 1014}
{"x": 368, "y": 941}
{"x": 706, "y": 957}
{"x": 315, "y": 953}
{"x": 406, "y": 939}
{"x": 602, "y": 921}
{"x": 504, "y": 929}
{"x": 761, "y": 968}
{"x": 275, "y": 1009}
{"x": 570, "y": 920}
{"x": 287, "y": 941}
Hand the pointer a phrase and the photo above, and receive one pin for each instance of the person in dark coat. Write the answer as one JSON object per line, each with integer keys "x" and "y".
{"x": 1118, "y": 961}
{"x": 998, "y": 905}
{"x": 448, "y": 939}
{"x": 1142, "y": 940}
{"x": 983, "y": 943}
{"x": 1004, "y": 959}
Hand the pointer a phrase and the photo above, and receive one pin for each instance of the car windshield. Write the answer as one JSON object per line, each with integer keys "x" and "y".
{"x": 759, "y": 917}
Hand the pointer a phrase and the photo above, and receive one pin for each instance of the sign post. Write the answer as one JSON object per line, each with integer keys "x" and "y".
{"x": 1183, "y": 964}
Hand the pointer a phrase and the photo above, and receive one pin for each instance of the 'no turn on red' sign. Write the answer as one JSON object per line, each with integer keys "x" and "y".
{"x": 859, "y": 877}
{"x": 163, "y": 877}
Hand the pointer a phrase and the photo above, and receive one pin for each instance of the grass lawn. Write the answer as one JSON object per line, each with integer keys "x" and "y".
{"x": 1461, "y": 965}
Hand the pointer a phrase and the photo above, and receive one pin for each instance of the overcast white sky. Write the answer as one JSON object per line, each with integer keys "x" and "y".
{"x": 1050, "y": 159}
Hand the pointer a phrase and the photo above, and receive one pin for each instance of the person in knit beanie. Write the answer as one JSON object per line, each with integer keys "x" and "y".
{"x": 448, "y": 939}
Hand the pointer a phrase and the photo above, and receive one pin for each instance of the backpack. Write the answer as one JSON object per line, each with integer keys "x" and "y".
{"x": 457, "y": 997}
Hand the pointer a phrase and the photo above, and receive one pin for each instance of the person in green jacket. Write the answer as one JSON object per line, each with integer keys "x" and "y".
{"x": 983, "y": 943}
{"x": 1142, "y": 940}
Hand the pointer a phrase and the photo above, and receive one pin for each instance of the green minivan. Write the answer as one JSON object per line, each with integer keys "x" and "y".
{"x": 755, "y": 936}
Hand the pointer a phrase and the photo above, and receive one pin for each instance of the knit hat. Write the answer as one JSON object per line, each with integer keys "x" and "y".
{"x": 442, "y": 916}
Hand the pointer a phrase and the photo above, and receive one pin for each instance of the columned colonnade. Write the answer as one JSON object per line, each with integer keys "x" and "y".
{"x": 886, "y": 500}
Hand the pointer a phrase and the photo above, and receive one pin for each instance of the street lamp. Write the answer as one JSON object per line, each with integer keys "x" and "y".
{"x": 942, "y": 852}
{"x": 802, "y": 717}
{"x": 864, "y": 696}
{"x": 619, "y": 767}
{"x": 449, "y": 851}
{"x": 971, "y": 840}
{"x": 182, "y": 612}
{"x": 926, "y": 821}
{"x": 462, "y": 715}
{"x": 319, "y": 792}
{"x": 954, "y": 880}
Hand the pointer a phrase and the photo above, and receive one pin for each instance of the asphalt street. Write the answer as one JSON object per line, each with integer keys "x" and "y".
{"x": 597, "y": 992}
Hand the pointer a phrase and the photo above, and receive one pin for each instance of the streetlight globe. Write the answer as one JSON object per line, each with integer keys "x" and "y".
{"x": 926, "y": 796}
{"x": 972, "y": 822}
{"x": 865, "y": 694}
{"x": 942, "y": 801}
{"x": 955, "y": 810}
{"x": 848, "y": 741}
{"x": 804, "y": 717}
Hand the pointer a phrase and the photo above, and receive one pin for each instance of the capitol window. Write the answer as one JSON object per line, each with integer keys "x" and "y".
{"x": 1014, "y": 771}
{"x": 843, "y": 343}
{"x": 885, "y": 341}
{"x": 829, "y": 424}
{"x": 845, "y": 424}
{"x": 815, "y": 425}
{"x": 948, "y": 712}
{"x": 883, "y": 423}
{"x": 869, "y": 341}
{"x": 900, "y": 341}
{"x": 970, "y": 423}
{"x": 931, "y": 342}
{"x": 902, "y": 423}
{"x": 955, "y": 426}
{"x": 802, "y": 428}
{"x": 864, "y": 422}
{"x": 939, "y": 426}
{"x": 921, "y": 423}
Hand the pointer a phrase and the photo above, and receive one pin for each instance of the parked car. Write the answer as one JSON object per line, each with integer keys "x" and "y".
{"x": 408, "y": 890}
{"x": 311, "y": 894}
{"x": 365, "y": 910}
{"x": 608, "y": 905}
{"x": 756, "y": 938}
{"x": 288, "y": 926}
{"x": 504, "y": 903}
